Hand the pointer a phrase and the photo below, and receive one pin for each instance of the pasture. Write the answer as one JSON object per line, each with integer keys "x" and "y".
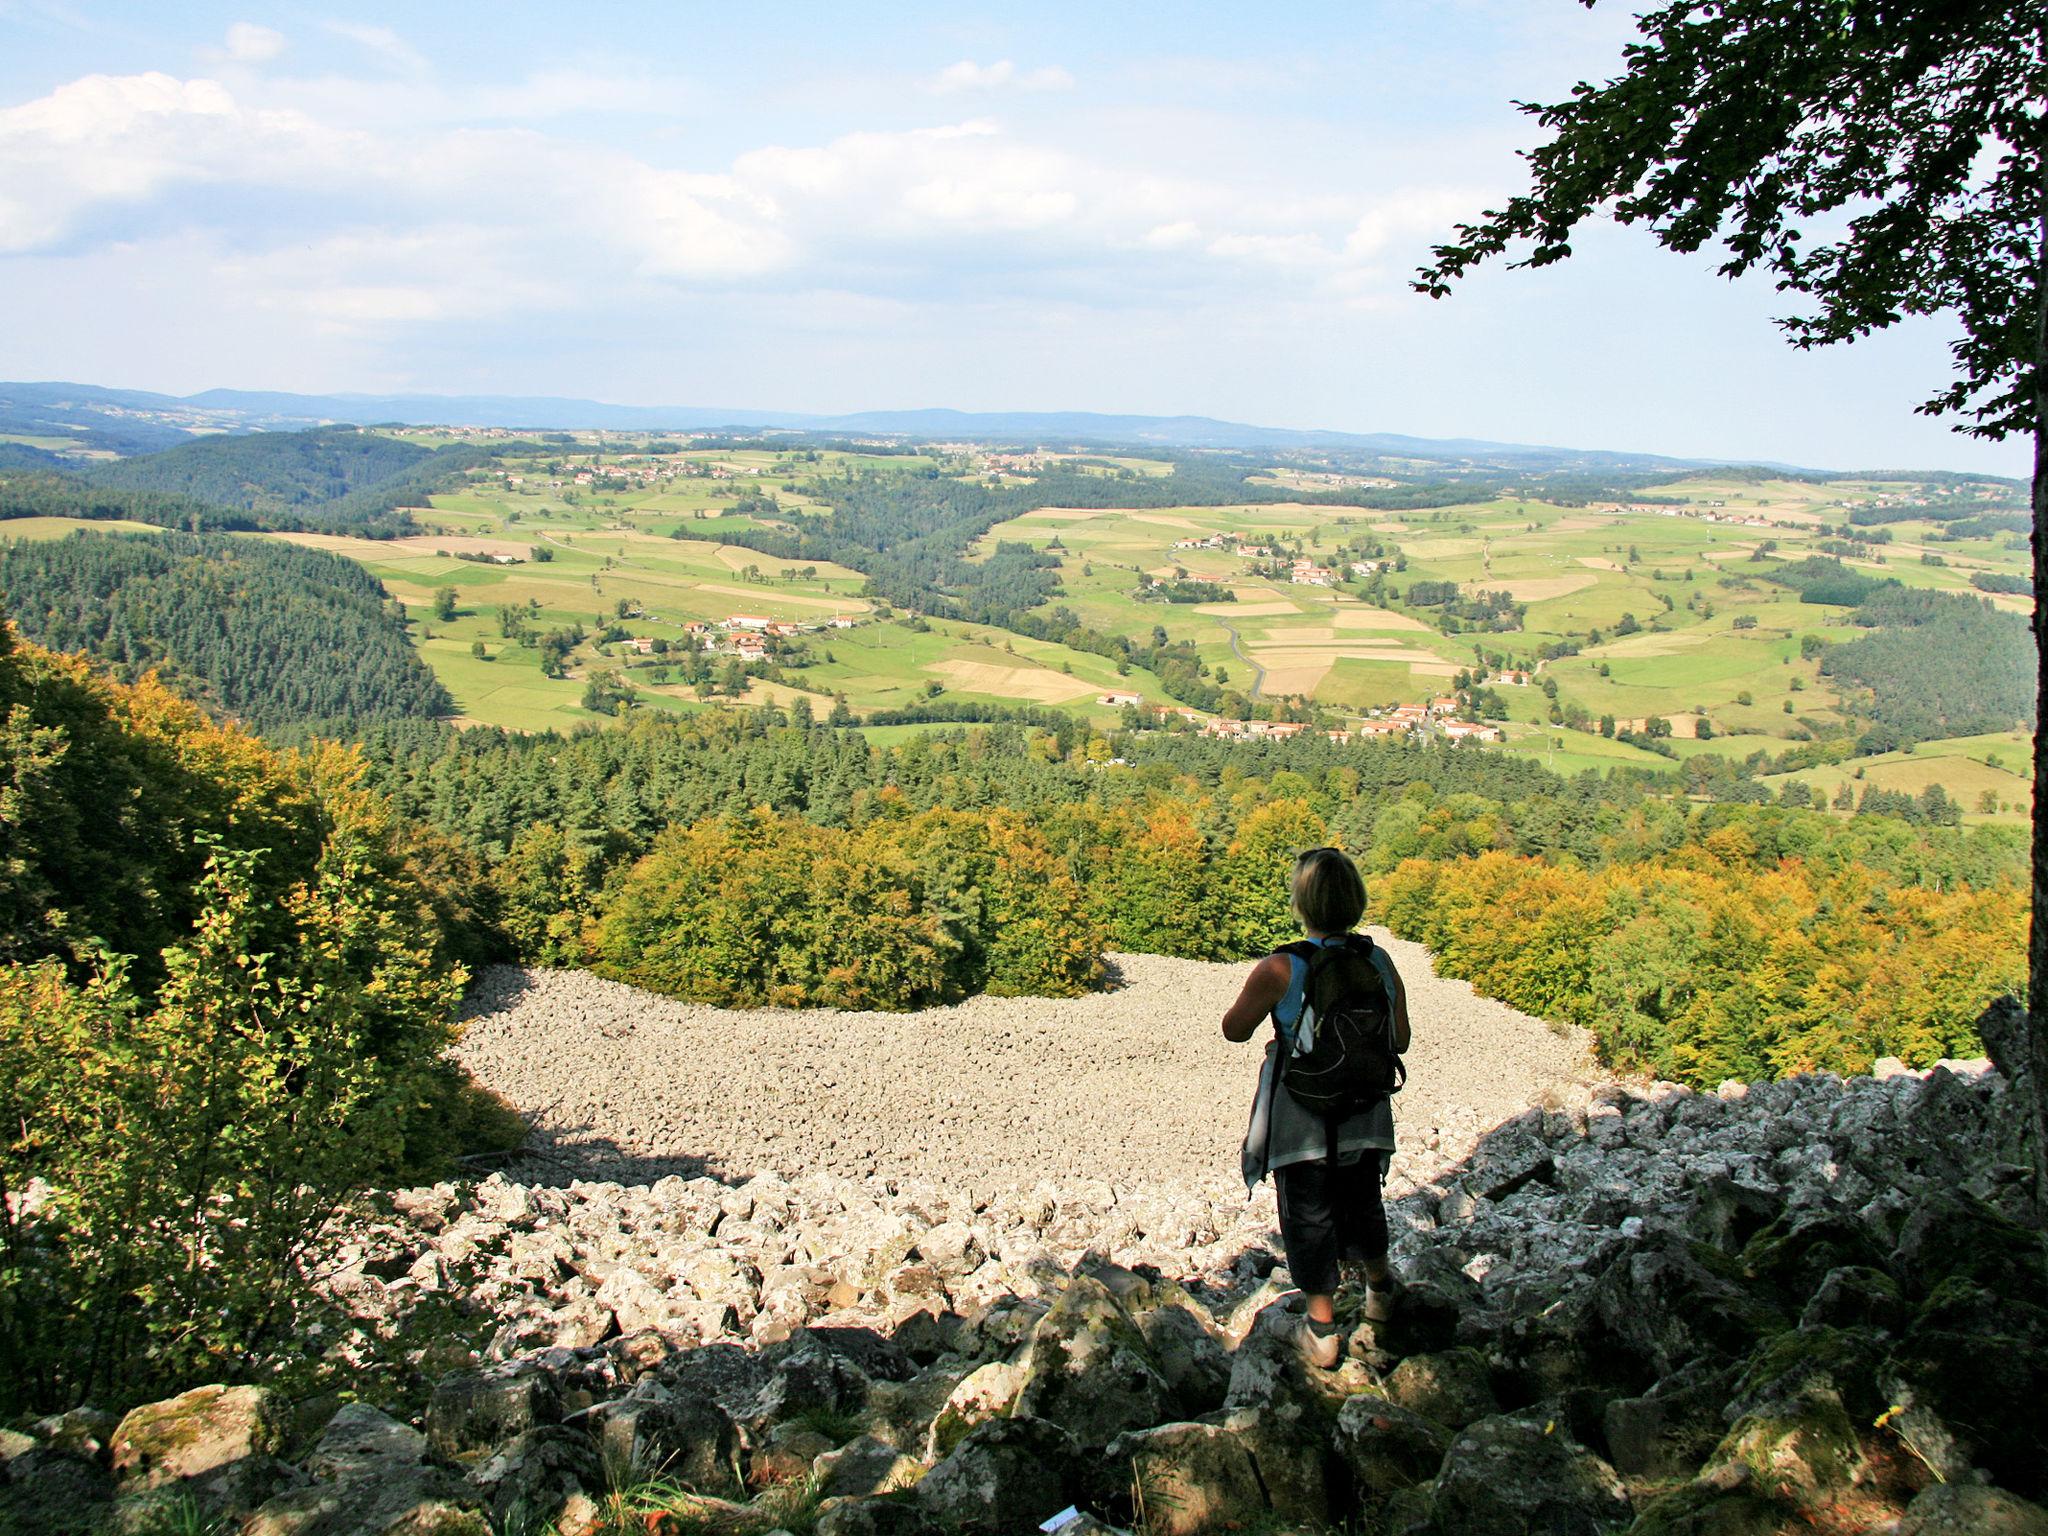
{"x": 1657, "y": 607}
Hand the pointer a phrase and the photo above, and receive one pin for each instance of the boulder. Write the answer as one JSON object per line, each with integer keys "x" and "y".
{"x": 1950, "y": 1236}
{"x": 399, "y": 1501}
{"x": 1856, "y": 1296}
{"x": 1387, "y": 1447}
{"x": 872, "y": 1517}
{"x": 1189, "y": 1354}
{"x": 951, "y": 1248}
{"x": 1720, "y": 1507}
{"x": 1842, "y": 1363}
{"x": 1802, "y": 1451}
{"x": 46, "y": 1490}
{"x": 1005, "y": 1477}
{"x": 86, "y": 1432}
{"x": 862, "y": 1467}
{"x": 786, "y": 1455}
{"x": 1089, "y": 1370}
{"x": 1671, "y": 1301}
{"x": 1950, "y": 1391}
{"x": 901, "y": 1413}
{"x": 361, "y": 1441}
{"x": 690, "y": 1441}
{"x": 987, "y": 1392}
{"x": 473, "y": 1411}
{"x": 1186, "y": 1479}
{"x": 1670, "y": 1430}
{"x": 548, "y": 1475}
{"x": 1793, "y": 1255}
{"x": 1513, "y": 1475}
{"x": 1284, "y": 1413}
{"x": 1452, "y": 1387}
{"x": 811, "y": 1378}
{"x": 1971, "y": 1509}
{"x": 218, "y": 1444}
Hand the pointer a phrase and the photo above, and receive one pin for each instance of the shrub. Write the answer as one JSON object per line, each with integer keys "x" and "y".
{"x": 170, "y": 1162}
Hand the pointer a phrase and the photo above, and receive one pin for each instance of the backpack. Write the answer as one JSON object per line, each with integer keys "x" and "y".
{"x": 1340, "y": 1056}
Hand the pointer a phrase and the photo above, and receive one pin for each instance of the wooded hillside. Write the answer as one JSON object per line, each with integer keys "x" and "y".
{"x": 267, "y": 632}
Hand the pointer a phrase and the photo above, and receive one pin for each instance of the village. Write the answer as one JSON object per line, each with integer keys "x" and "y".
{"x": 1439, "y": 717}
{"x": 1301, "y": 571}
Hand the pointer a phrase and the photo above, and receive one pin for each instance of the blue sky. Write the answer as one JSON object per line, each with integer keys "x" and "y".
{"x": 1137, "y": 207}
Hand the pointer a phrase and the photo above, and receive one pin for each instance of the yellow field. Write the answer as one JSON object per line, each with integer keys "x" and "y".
{"x": 1378, "y": 618}
{"x": 1533, "y": 589}
{"x": 64, "y": 527}
{"x": 1247, "y": 610}
{"x": 769, "y": 598}
{"x": 1013, "y": 682}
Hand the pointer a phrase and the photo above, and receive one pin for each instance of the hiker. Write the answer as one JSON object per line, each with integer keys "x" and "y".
{"x": 1328, "y": 1155}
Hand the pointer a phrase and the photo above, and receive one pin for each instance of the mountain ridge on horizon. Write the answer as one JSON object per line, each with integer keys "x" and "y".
{"x": 264, "y": 410}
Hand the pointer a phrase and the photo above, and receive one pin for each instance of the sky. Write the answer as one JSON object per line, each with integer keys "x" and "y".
{"x": 1148, "y": 208}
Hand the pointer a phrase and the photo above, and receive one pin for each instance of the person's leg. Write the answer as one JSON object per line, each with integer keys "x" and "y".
{"x": 1308, "y": 1231}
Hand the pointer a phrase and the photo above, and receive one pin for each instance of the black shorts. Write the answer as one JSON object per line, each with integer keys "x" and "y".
{"x": 1330, "y": 1213}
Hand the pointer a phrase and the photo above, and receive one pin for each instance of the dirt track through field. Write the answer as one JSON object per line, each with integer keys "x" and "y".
{"x": 1134, "y": 1085}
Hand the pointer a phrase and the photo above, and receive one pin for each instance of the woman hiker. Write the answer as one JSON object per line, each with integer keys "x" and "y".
{"x": 1327, "y": 1170}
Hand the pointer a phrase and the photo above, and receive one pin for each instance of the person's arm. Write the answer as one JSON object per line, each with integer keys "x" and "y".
{"x": 1262, "y": 992}
{"x": 1397, "y": 997}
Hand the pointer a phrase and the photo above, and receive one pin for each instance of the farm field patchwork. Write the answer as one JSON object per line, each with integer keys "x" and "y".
{"x": 1654, "y": 610}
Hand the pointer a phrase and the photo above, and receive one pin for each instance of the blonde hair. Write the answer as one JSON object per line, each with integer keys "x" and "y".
{"x": 1329, "y": 895}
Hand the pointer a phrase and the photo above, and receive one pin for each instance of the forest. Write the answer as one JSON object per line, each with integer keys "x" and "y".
{"x": 267, "y": 471}
{"x": 266, "y": 632}
{"x": 44, "y": 494}
{"x": 1936, "y": 664}
{"x": 328, "y": 480}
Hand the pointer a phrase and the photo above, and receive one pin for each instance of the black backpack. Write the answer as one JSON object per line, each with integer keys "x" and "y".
{"x": 1340, "y": 1057}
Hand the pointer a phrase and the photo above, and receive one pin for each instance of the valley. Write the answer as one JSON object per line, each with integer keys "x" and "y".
{"x": 1637, "y": 622}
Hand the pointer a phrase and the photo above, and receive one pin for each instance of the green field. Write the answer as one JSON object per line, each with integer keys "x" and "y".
{"x": 1713, "y": 645}
{"x": 1631, "y": 611}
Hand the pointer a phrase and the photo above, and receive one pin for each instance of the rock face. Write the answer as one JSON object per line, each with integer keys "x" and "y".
{"x": 1811, "y": 1305}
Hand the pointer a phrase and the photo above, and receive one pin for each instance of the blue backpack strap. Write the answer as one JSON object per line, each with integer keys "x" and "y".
{"x": 1297, "y": 954}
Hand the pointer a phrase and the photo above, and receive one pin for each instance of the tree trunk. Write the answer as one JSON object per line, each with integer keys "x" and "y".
{"x": 2037, "y": 944}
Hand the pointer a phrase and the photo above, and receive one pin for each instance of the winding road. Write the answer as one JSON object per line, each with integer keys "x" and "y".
{"x": 1237, "y": 650}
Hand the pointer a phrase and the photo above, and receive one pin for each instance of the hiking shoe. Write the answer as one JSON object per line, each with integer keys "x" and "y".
{"x": 1321, "y": 1350}
{"x": 1379, "y": 1301}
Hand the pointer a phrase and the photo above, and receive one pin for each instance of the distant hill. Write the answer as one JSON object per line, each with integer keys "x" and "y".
{"x": 268, "y": 471}
{"x": 267, "y": 632}
{"x": 86, "y": 409}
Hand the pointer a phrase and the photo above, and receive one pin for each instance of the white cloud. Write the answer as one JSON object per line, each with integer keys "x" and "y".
{"x": 410, "y": 224}
{"x": 248, "y": 43}
{"x": 967, "y": 75}
{"x": 1412, "y": 216}
{"x": 1177, "y": 236}
{"x": 108, "y": 139}
{"x": 382, "y": 42}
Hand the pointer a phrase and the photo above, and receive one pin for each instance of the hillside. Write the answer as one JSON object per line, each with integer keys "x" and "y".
{"x": 269, "y": 633}
{"x": 266, "y": 471}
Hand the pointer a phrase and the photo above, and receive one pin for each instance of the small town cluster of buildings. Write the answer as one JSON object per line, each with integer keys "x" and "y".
{"x": 746, "y": 635}
{"x": 1404, "y": 720}
{"x": 1301, "y": 571}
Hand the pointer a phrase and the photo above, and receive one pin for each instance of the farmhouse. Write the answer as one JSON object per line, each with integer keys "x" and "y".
{"x": 842, "y": 621}
{"x": 751, "y": 621}
{"x": 1466, "y": 730}
{"x": 644, "y": 644}
{"x": 1119, "y": 700}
